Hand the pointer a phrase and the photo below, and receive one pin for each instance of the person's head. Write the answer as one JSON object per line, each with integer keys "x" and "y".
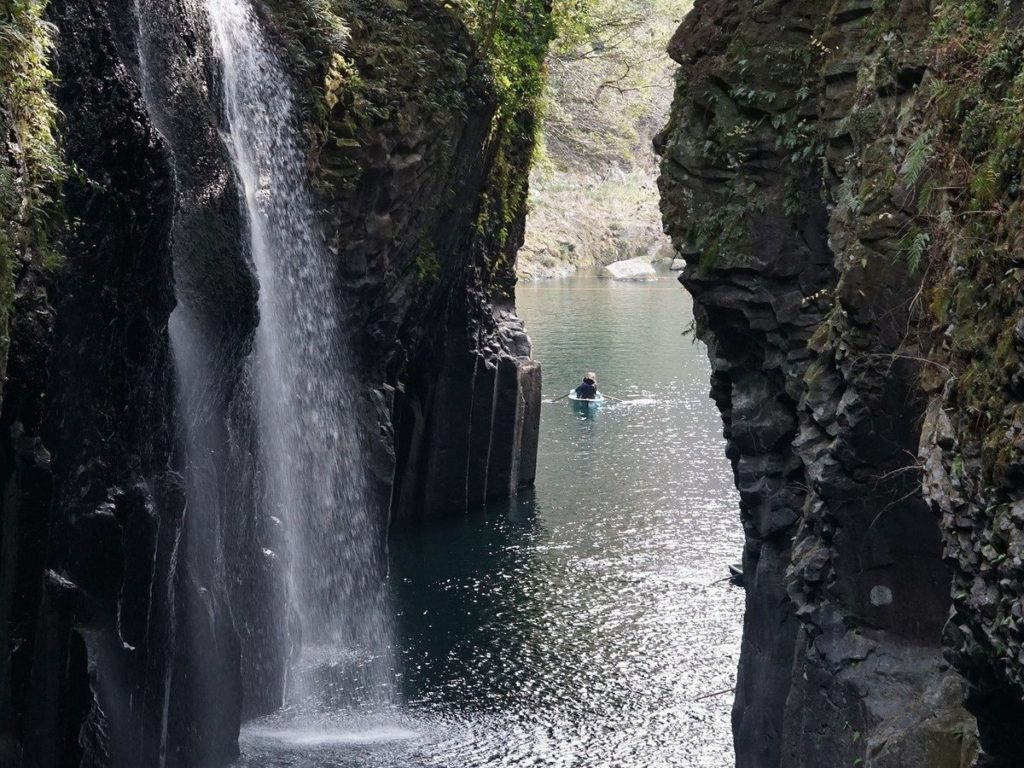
{"x": 590, "y": 378}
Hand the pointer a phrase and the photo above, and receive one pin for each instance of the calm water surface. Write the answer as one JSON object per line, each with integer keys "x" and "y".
{"x": 580, "y": 625}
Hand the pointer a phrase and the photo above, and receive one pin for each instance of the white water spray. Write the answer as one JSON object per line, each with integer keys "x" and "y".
{"x": 306, "y": 394}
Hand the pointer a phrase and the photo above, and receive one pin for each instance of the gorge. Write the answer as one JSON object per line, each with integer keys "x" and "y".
{"x": 262, "y": 356}
{"x": 247, "y": 334}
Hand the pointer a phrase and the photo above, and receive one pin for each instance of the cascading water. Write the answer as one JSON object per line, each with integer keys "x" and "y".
{"x": 310, "y": 451}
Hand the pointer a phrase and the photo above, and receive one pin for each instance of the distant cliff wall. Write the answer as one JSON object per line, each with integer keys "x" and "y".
{"x": 842, "y": 179}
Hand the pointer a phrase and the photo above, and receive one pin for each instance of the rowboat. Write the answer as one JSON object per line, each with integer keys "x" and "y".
{"x": 597, "y": 402}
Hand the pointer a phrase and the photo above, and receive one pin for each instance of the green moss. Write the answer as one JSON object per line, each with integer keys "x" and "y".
{"x": 976, "y": 111}
{"x": 392, "y": 75}
{"x": 428, "y": 265}
{"x": 941, "y": 300}
{"x": 368, "y": 72}
{"x": 513, "y": 38}
{"x": 31, "y": 170}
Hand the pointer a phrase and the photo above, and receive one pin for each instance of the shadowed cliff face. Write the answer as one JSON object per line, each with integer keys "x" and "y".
{"x": 428, "y": 207}
{"x": 789, "y": 184}
{"x": 141, "y": 628}
{"x": 418, "y": 159}
{"x": 87, "y": 463}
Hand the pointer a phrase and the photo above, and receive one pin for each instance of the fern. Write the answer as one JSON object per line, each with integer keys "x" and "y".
{"x": 918, "y": 156}
{"x": 984, "y": 184}
{"x": 914, "y": 246}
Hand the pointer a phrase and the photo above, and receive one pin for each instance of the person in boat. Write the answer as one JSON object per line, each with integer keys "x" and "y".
{"x": 588, "y": 389}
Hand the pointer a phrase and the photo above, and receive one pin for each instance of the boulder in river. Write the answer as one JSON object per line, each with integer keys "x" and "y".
{"x": 631, "y": 269}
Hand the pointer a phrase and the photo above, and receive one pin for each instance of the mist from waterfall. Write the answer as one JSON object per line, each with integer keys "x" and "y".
{"x": 306, "y": 396}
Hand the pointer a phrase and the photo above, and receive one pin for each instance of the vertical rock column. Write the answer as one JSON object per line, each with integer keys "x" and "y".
{"x": 89, "y": 394}
{"x": 426, "y": 214}
{"x": 484, "y": 426}
{"x": 515, "y": 427}
{"x": 753, "y": 234}
{"x": 779, "y": 190}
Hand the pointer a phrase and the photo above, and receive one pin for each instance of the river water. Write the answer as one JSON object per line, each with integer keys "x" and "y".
{"x": 585, "y": 623}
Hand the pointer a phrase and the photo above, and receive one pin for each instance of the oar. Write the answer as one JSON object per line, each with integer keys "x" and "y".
{"x": 612, "y": 397}
{"x": 561, "y": 398}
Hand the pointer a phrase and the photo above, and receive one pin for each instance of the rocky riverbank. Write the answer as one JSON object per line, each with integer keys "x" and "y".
{"x": 593, "y": 192}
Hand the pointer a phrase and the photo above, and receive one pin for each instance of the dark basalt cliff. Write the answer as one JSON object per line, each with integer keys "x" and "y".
{"x": 134, "y": 621}
{"x": 843, "y": 179}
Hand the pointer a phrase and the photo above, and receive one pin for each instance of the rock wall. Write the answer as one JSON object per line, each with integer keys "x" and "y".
{"x": 137, "y": 628}
{"x": 421, "y": 165}
{"x": 846, "y": 221}
{"x": 971, "y": 437}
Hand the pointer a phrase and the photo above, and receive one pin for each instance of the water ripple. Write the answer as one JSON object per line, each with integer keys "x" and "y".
{"x": 584, "y": 625}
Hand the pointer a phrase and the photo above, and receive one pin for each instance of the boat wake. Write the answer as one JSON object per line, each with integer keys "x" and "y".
{"x": 608, "y": 403}
{"x": 639, "y": 401}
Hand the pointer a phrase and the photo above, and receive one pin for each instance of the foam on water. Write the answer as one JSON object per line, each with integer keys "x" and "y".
{"x": 319, "y": 737}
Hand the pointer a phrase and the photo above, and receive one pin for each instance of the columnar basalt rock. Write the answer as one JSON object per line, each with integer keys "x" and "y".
{"x": 789, "y": 185}
{"x": 971, "y": 437}
{"x": 756, "y": 305}
{"x": 420, "y": 167}
{"x": 137, "y": 617}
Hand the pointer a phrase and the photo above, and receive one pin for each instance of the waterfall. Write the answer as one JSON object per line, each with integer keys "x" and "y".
{"x": 310, "y": 480}
{"x": 307, "y": 396}
{"x": 269, "y": 444}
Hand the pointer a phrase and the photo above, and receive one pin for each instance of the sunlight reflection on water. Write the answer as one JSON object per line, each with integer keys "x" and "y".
{"x": 584, "y": 624}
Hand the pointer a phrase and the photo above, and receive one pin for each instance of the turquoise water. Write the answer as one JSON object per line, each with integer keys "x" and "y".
{"x": 583, "y": 624}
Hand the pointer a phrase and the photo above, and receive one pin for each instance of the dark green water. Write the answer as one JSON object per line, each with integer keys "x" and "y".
{"x": 579, "y": 625}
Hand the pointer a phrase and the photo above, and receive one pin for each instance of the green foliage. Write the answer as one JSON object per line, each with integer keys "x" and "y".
{"x": 513, "y": 36}
{"x": 984, "y": 184}
{"x": 717, "y": 234}
{"x": 370, "y": 75}
{"x": 379, "y": 74}
{"x": 31, "y": 169}
{"x": 428, "y": 265}
{"x": 721, "y": 231}
{"x": 918, "y": 156}
{"x": 609, "y": 90}
{"x": 913, "y": 247}
{"x": 847, "y": 197}
{"x": 769, "y": 105}
{"x": 799, "y": 137}
{"x": 596, "y": 26}
{"x": 309, "y": 30}
{"x": 610, "y": 81}
{"x": 978, "y": 122}
{"x": 28, "y": 118}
